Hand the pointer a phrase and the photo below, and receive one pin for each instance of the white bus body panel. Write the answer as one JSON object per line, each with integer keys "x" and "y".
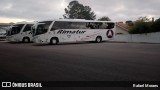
{"x": 19, "y": 37}
{"x": 89, "y": 35}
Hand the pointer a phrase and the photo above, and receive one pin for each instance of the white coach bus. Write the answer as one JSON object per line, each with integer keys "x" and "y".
{"x": 20, "y": 32}
{"x": 72, "y": 30}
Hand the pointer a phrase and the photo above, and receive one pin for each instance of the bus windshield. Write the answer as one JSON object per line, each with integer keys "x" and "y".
{"x": 41, "y": 28}
{"x": 16, "y": 29}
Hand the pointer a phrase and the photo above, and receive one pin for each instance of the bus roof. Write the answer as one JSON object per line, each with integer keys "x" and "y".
{"x": 24, "y": 23}
{"x": 76, "y": 20}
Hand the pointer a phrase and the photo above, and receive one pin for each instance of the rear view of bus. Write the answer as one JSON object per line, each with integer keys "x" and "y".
{"x": 20, "y": 32}
{"x": 70, "y": 30}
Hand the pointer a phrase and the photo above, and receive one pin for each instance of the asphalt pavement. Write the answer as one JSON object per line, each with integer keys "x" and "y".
{"x": 80, "y": 62}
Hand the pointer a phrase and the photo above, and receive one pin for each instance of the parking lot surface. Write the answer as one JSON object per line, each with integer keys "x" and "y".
{"x": 80, "y": 62}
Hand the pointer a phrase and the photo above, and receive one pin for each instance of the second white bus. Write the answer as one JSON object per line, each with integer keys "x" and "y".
{"x": 57, "y": 31}
{"x": 20, "y": 32}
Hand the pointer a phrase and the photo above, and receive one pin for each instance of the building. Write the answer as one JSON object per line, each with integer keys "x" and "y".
{"x": 122, "y": 28}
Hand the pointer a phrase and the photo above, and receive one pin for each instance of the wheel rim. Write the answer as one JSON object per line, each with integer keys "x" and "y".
{"x": 54, "y": 41}
{"x": 26, "y": 40}
{"x": 98, "y": 39}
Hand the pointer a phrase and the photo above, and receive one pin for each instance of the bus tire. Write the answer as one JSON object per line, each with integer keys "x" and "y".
{"x": 26, "y": 40}
{"x": 54, "y": 41}
{"x": 98, "y": 39}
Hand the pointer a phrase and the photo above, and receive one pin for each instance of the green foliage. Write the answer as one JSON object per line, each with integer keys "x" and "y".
{"x": 144, "y": 25}
{"x": 104, "y": 19}
{"x": 75, "y": 10}
{"x": 140, "y": 27}
{"x": 156, "y": 26}
{"x": 143, "y": 19}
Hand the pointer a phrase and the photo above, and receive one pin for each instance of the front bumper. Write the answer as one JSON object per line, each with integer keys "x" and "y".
{"x": 12, "y": 39}
{"x": 37, "y": 40}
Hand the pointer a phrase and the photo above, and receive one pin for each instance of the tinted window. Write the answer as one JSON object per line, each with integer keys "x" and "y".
{"x": 68, "y": 25}
{"x": 28, "y": 27}
{"x": 42, "y": 27}
{"x": 16, "y": 29}
{"x": 110, "y": 25}
{"x": 82, "y": 25}
{"x": 60, "y": 25}
{"x": 78, "y": 25}
{"x": 94, "y": 25}
{"x": 101, "y": 25}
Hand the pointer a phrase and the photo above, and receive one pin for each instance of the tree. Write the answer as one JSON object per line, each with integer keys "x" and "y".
{"x": 143, "y": 19}
{"x": 140, "y": 27}
{"x": 156, "y": 26}
{"x": 144, "y": 25}
{"x": 75, "y": 10}
{"x": 104, "y": 18}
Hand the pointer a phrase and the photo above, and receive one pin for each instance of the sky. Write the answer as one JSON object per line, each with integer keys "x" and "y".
{"x": 116, "y": 10}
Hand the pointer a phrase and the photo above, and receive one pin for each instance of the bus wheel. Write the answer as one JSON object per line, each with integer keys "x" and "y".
{"x": 98, "y": 39}
{"x": 54, "y": 41}
{"x": 26, "y": 40}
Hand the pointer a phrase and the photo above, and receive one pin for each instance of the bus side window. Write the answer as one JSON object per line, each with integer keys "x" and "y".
{"x": 97, "y": 25}
{"x": 110, "y": 25}
{"x": 103, "y": 25}
{"x": 90, "y": 25}
{"x": 82, "y": 25}
{"x": 55, "y": 26}
{"x": 93, "y": 25}
{"x": 60, "y": 25}
{"x": 78, "y": 25}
